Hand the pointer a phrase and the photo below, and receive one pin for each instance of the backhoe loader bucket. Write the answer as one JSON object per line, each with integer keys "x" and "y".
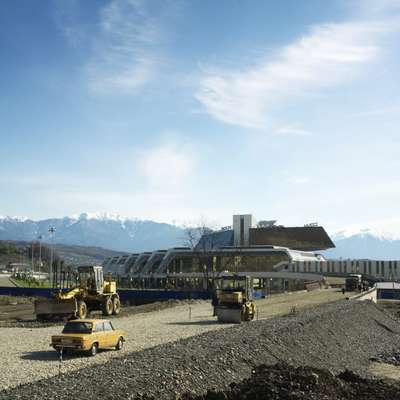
{"x": 55, "y": 309}
{"x": 229, "y": 315}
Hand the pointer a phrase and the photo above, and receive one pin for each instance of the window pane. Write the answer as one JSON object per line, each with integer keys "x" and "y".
{"x": 99, "y": 327}
{"x": 107, "y": 326}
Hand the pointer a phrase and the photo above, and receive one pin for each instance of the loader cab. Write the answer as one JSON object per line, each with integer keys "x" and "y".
{"x": 92, "y": 278}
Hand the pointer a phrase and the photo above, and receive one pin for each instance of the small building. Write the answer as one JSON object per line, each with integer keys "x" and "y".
{"x": 388, "y": 292}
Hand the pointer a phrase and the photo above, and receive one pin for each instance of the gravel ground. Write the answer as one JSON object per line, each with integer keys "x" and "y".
{"x": 339, "y": 336}
{"x": 27, "y": 357}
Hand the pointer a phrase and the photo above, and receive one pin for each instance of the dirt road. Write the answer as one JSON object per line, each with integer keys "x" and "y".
{"x": 286, "y": 303}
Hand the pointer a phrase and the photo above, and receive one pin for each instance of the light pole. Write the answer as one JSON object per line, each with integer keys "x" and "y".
{"x": 52, "y": 230}
{"x": 32, "y": 248}
{"x": 40, "y": 253}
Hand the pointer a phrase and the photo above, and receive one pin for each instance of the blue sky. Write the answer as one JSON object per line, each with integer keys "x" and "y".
{"x": 181, "y": 110}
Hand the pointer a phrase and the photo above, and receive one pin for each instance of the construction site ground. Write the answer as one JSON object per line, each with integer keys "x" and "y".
{"x": 5, "y": 281}
{"x": 26, "y": 354}
{"x": 196, "y": 355}
{"x": 19, "y": 311}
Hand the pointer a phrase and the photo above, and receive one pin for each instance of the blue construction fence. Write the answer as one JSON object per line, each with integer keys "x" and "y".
{"x": 132, "y": 296}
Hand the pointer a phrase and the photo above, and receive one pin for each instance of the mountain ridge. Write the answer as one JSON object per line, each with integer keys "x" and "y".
{"x": 366, "y": 244}
{"x": 120, "y": 234}
{"x": 115, "y": 232}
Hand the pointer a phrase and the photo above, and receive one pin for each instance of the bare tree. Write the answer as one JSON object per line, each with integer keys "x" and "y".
{"x": 199, "y": 238}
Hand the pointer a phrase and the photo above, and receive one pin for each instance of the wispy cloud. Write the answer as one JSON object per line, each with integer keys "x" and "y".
{"x": 290, "y": 130}
{"x": 167, "y": 165}
{"x": 328, "y": 55}
{"x": 124, "y": 53}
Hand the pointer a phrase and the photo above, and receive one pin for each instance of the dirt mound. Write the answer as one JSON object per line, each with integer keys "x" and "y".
{"x": 333, "y": 337}
{"x": 284, "y": 382}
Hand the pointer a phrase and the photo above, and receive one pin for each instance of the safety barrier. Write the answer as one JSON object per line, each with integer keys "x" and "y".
{"x": 127, "y": 295}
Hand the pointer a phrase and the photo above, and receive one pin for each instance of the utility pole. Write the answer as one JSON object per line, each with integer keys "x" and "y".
{"x": 52, "y": 230}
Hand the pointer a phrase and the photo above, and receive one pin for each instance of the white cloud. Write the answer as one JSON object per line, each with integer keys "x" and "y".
{"x": 166, "y": 165}
{"x": 299, "y": 180}
{"x": 290, "y": 130}
{"x": 124, "y": 56}
{"x": 328, "y": 55}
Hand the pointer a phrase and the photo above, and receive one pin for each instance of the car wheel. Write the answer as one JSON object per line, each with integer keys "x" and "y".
{"x": 120, "y": 344}
{"x": 94, "y": 349}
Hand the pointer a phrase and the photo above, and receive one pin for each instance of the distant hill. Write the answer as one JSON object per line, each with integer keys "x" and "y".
{"x": 19, "y": 251}
{"x": 79, "y": 255}
{"x": 9, "y": 252}
{"x": 104, "y": 231}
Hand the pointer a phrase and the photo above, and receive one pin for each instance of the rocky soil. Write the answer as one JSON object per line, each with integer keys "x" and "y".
{"x": 285, "y": 382}
{"x": 391, "y": 357}
{"x": 334, "y": 337}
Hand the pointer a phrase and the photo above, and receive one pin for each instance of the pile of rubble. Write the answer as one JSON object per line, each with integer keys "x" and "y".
{"x": 284, "y": 382}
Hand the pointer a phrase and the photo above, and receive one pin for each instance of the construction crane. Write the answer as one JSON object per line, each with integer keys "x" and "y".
{"x": 91, "y": 293}
{"x": 234, "y": 299}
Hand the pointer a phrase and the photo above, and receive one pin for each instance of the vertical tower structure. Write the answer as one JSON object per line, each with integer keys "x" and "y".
{"x": 242, "y": 224}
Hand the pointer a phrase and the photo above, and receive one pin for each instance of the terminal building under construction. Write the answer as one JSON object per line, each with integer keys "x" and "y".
{"x": 264, "y": 250}
{"x": 278, "y": 257}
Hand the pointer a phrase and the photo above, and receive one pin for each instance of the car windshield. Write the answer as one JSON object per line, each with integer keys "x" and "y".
{"x": 77, "y": 327}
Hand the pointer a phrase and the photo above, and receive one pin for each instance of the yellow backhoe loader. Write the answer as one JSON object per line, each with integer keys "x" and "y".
{"x": 234, "y": 299}
{"x": 91, "y": 293}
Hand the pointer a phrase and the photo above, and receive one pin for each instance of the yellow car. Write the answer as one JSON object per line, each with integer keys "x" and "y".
{"x": 88, "y": 335}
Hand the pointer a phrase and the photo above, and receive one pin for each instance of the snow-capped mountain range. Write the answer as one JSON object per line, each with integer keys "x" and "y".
{"x": 132, "y": 235}
{"x": 369, "y": 243}
{"x": 103, "y": 230}
{"x": 365, "y": 232}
